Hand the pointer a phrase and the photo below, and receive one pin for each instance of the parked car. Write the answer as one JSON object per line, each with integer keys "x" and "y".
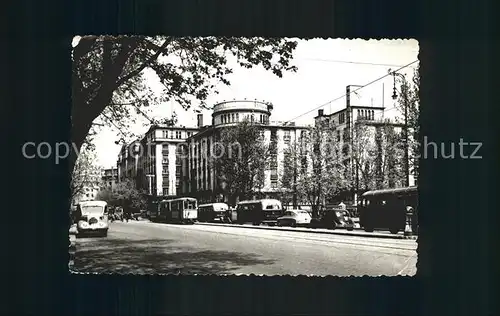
{"x": 333, "y": 219}
{"x": 139, "y": 215}
{"x": 295, "y": 218}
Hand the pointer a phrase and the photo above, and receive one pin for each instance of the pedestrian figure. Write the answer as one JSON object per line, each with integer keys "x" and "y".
{"x": 229, "y": 213}
{"x": 127, "y": 214}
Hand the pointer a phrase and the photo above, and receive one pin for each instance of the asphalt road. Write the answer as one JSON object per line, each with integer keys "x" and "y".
{"x": 151, "y": 248}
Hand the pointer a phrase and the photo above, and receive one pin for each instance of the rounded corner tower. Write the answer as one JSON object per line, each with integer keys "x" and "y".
{"x": 231, "y": 112}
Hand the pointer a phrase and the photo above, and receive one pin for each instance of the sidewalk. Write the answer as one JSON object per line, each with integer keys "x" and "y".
{"x": 319, "y": 231}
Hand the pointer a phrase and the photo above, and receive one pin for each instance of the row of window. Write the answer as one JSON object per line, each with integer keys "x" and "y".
{"x": 230, "y": 118}
{"x": 175, "y": 134}
{"x": 366, "y": 114}
{"x": 235, "y": 117}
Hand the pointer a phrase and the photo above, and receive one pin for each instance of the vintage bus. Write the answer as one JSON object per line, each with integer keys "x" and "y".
{"x": 259, "y": 211}
{"x": 180, "y": 210}
{"x": 213, "y": 212}
{"x": 387, "y": 209}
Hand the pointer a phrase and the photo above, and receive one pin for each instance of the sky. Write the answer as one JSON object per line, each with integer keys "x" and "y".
{"x": 325, "y": 68}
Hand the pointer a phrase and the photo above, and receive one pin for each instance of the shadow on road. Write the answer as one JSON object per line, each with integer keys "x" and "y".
{"x": 155, "y": 256}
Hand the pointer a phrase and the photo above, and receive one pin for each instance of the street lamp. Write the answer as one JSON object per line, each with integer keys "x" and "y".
{"x": 404, "y": 94}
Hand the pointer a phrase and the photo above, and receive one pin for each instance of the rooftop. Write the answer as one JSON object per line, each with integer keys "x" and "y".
{"x": 253, "y": 105}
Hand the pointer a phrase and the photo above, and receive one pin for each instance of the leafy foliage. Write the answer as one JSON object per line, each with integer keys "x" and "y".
{"x": 125, "y": 194}
{"x": 377, "y": 156}
{"x": 410, "y": 96}
{"x": 315, "y": 170}
{"x": 109, "y": 74}
{"x": 84, "y": 174}
{"x": 320, "y": 168}
{"x": 240, "y": 159}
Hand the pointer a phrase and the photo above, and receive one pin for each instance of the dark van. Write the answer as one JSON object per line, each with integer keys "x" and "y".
{"x": 259, "y": 211}
{"x": 212, "y": 212}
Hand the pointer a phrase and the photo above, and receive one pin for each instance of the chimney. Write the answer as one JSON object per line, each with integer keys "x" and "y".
{"x": 199, "y": 118}
{"x": 320, "y": 112}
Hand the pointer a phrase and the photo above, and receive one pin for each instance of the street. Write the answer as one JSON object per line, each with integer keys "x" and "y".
{"x": 152, "y": 248}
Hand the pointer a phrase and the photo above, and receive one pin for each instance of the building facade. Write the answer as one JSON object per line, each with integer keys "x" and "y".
{"x": 202, "y": 180}
{"x": 155, "y": 160}
{"x": 91, "y": 187}
{"x": 346, "y": 126}
{"x": 109, "y": 178}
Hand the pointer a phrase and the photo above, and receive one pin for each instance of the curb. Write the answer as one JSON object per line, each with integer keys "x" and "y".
{"x": 316, "y": 231}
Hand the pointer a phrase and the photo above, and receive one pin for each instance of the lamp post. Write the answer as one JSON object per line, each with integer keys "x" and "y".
{"x": 404, "y": 94}
{"x": 294, "y": 197}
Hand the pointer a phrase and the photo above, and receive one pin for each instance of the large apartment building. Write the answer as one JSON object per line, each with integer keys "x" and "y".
{"x": 203, "y": 181}
{"x": 155, "y": 161}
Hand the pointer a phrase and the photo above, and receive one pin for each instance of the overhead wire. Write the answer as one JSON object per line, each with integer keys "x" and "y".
{"x": 344, "y": 95}
{"x": 351, "y": 62}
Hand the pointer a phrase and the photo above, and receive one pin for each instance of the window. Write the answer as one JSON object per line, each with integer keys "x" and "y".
{"x": 274, "y": 181}
{"x": 165, "y": 169}
{"x": 273, "y": 164}
{"x": 165, "y": 191}
{"x": 189, "y": 134}
{"x": 178, "y": 134}
{"x": 237, "y": 117}
{"x": 252, "y": 118}
{"x": 341, "y": 118}
{"x": 232, "y": 117}
{"x": 178, "y": 170}
{"x": 287, "y": 137}
{"x": 338, "y": 135}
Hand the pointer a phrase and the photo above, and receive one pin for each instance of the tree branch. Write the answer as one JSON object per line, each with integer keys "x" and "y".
{"x": 138, "y": 70}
